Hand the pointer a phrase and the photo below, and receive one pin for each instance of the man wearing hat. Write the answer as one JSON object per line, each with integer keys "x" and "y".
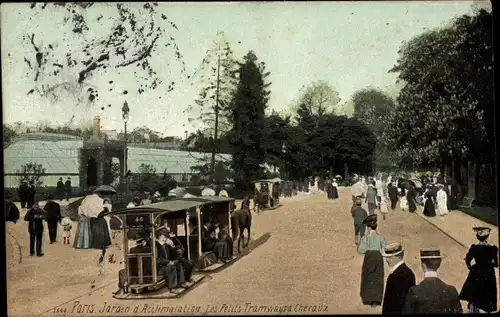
{"x": 23, "y": 193}
{"x": 35, "y": 217}
{"x": 358, "y": 215}
{"x": 401, "y": 278}
{"x": 432, "y": 295}
{"x": 480, "y": 287}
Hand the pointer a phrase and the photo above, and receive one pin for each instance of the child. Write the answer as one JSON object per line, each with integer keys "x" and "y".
{"x": 66, "y": 223}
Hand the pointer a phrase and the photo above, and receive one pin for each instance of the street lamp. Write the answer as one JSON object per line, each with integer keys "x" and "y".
{"x": 283, "y": 149}
{"x": 125, "y": 116}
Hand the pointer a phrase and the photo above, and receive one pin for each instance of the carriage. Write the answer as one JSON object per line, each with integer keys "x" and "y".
{"x": 180, "y": 215}
{"x": 268, "y": 193}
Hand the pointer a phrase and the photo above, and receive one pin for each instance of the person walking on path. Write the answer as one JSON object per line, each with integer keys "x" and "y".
{"x": 30, "y": 194}
{"x": 442, "y": 203}
{"x": 480, "y": 287}
{"x": 372, "y": 274}
{"x": 393, "y": 195}
{"x": 53, "y": 211}
{"x": 411, "y": 197}
{"x": 432, "y": 295}
{"x": 358, "y": 214}
{"x": 67, "y": 226}
{"x": 68, "y": 189}
{"x": 399, "y": 281}
{"x": 60, "y": 189}
{"x": 429, "y": 208}
{"x": 35, "y": 217}
{"x": 371, "y": 198}
{"x": 23, "y": 193}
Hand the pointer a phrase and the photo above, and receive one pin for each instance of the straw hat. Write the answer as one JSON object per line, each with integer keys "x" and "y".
{"x": 482, "y": 231}
{"x": 392, "y": 249}
{"x": 430, "y": 254}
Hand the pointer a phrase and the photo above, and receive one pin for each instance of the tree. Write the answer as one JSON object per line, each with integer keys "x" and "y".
{"x": 8, "y": 134}
{"x": 372, "y": 107}
{"x": 31, "y": 171}
{"x": 103, "y": 43}
{"x": 144, "y": 134}
{"x": 319, "y": 98}
{"x": 277, "y": 134}
{"x": 248, "y": 118}
{"x": 217, "y": 77}
{"x": 447, "y": 97}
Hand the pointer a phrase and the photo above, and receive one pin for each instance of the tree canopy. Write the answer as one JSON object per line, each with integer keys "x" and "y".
{"x": 319, "y": 98}
{"x": 445, "y": 107}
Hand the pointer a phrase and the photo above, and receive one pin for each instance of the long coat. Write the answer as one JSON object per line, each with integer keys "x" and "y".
{"x": 432, "y": 296}
{"x": 398, "y": 284}
{"x": 480, "y": 287}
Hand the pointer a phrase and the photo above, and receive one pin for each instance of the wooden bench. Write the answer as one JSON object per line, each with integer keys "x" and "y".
{"x": 467, "y": 203}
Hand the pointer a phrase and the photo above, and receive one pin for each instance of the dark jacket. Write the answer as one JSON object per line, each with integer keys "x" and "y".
{"x": 398, "y": 284}
{"x": 35, "y": 219}
{"x": 393, "y": 193}
{"x": 60, "y": 187}
{"x": 359, "y": 214}
{"x": 432, "y": 296}
{"x": 53, "y": 211}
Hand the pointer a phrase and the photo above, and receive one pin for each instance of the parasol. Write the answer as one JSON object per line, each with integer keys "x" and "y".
{"x": 177, "y": 192}
{"x": 105, "y": 189}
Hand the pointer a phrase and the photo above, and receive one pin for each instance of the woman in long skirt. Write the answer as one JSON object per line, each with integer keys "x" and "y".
{"x": 372, "y": 274}
{"x": 335, "y": 190}
{"x": 411, "y": 196}
{"x": 83, "y": 233}
{"x": 480, "y": 287}
{"x": 429, "y": 209}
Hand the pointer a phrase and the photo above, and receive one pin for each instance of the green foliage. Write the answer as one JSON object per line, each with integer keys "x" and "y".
{"x": 373, "y": 107}
{"x": 319, "y": 98}
{"x": 248, "y": 118}
{"x": 8, "y": 134}
{"x": 31, "y": 171}
{"x": 147, "y": 180}
{"x": 446, "y": 105}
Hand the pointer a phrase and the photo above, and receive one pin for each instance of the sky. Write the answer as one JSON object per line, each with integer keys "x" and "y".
{"x": 350, "y": 45}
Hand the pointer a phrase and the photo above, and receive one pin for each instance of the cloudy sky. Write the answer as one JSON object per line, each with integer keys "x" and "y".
{"x": 350, "y": 45}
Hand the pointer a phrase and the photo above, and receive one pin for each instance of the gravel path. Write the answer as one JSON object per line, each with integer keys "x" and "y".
{"x": 309, "y": 265}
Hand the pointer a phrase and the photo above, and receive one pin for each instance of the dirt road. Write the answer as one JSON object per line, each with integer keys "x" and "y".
{"x": 309, "y": 265}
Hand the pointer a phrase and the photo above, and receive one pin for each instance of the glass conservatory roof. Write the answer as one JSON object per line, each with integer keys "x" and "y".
{"x": 60, "y": 156}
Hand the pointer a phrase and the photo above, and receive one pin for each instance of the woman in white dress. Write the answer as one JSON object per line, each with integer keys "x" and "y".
{"x": 442, "y": 202}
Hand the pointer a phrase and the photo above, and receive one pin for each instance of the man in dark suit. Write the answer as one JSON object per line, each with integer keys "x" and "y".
{"x": 399, "y": 281}
{"x": 165, "y": 263}
{"x": 53, "y": 211}
{"x": 35, "y": 217}
{"x": 432, "y": 296}
{"x": 358, "y": 214}
{"x": 60, "y": 189}
{"x": 393, "y": 195}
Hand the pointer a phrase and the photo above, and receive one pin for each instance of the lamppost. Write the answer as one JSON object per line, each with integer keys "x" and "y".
{"x": 125, "y": 116}
{"x": 283, "y": 149}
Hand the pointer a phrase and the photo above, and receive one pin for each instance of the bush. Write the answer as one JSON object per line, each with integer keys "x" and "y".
{"x": 31, "y": 171}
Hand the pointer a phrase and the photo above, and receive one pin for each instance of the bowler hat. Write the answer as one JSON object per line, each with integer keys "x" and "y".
{"x": 392, "y": 249}
{"x": 370, "y": 219}
{"x": 430, "y": 254}
{"x": 482, "y": 231}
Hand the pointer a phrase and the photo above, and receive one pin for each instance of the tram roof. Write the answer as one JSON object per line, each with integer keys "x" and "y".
{"x": 212, "y": 199}
{"x": 168, "y": 206}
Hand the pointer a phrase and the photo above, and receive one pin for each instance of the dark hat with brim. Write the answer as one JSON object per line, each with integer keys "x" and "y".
{"x": 482, "y": 231}
{"x": 392, "y": 249}
{"x": 430, "y": 254}
{"x": 370, "y": 219}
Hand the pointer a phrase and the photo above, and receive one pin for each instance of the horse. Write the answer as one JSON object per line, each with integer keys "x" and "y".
{"x": 11, "y": 212}
{"x": 241, "y": 219}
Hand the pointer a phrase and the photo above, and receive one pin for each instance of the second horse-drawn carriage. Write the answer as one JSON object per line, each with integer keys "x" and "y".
{"x": 268, "y": 193}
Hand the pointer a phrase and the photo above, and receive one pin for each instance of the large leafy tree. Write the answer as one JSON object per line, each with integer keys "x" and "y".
{"x": 97, "y": 40}
{"x": 319, "y": 98}
{"x": 8, "y": 134}
{"x": 372, "y": 107}
{"x": 277, "y": 134}
{"x": 446, "y": 104}
{"x": 248, "y": 118}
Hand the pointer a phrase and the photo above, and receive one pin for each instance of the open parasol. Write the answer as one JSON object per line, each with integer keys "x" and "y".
{"x": 105, "y": 189}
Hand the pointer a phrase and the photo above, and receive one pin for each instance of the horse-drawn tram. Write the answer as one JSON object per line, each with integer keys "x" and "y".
{"x": 147, "y": 260}
{"x": 268, "y": 193}
{"x": 214, "y": 247}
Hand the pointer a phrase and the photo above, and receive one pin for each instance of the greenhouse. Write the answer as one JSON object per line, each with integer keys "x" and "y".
{"x": 59, "y": 156}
